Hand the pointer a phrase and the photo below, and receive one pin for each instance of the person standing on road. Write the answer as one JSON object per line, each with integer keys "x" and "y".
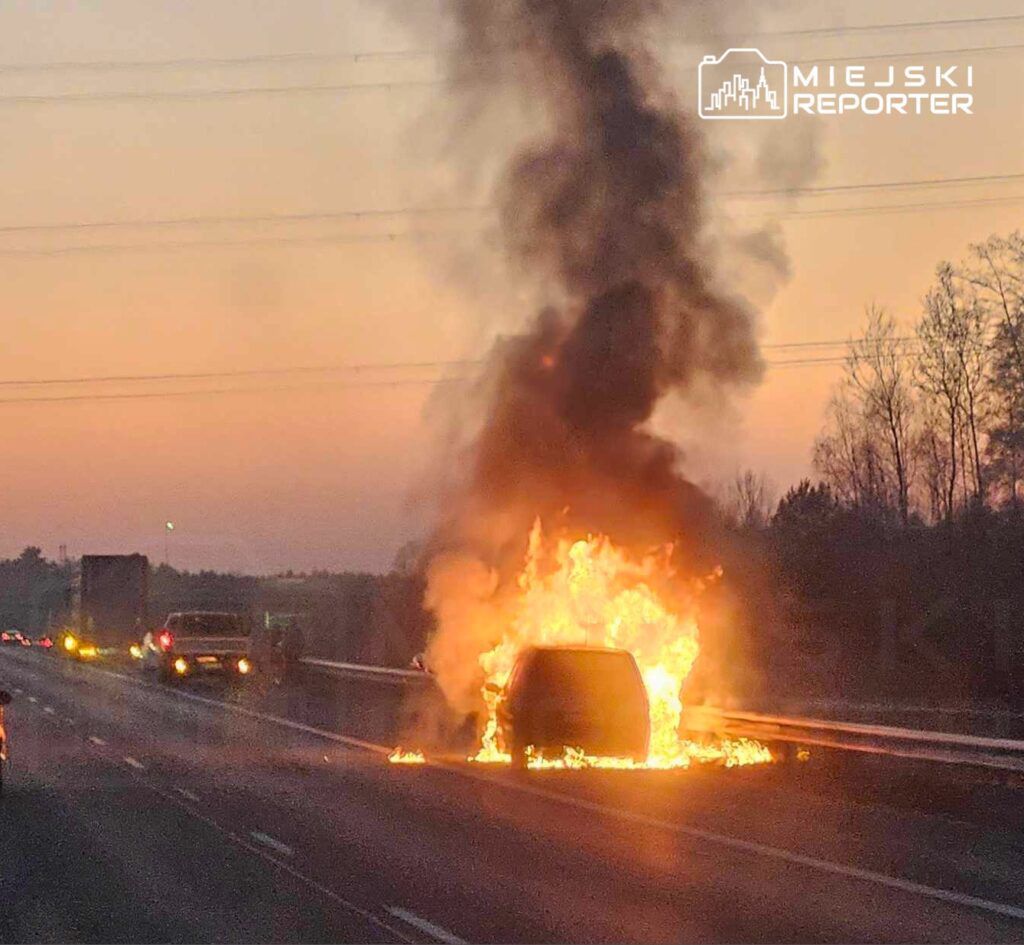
{"x": 292, "y": 646}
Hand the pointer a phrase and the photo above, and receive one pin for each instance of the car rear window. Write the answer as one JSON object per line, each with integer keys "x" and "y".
{"x": 211, "y": 625}
{"x": 585, "y": 675}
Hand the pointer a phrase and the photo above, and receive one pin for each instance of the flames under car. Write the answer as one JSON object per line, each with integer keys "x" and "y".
{"x": 591, "y": 698}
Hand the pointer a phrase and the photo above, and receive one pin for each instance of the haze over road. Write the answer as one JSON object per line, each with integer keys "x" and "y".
{"x": 139, "y": 813}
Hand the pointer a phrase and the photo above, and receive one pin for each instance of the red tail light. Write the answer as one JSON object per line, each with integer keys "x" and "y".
{"x": 166, "y": 640}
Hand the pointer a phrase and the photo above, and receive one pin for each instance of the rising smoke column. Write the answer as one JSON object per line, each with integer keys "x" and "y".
{"x": 607, "y": 209}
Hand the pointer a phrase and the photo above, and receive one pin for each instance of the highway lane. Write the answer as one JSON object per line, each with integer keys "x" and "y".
{"x": 89, "y": 853}
{"x": 487, "y": 857}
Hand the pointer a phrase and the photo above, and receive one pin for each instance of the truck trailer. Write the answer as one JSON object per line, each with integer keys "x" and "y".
{"x": 109, "y": 605}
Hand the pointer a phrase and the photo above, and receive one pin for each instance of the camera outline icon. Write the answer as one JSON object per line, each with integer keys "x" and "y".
{"x": 776, "y": 67}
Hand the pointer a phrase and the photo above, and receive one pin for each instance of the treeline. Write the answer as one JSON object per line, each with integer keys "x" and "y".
{"x": 839, "y": 601}
{"x": 929, "y": 424}
{"x": 33, "y": 591}
{"x": 901, "y": 573}
{"x": 349, "y": 616}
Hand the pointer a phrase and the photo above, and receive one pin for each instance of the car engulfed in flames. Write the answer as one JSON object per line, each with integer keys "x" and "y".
{"x": 590, "y": 593}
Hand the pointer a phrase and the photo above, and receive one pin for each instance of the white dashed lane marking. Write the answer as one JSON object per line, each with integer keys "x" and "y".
{"x": 96, "y": 740}
{"x": 49, "y": 710}
{"x": 188, "y": 795}
{"x": 272, "y": 843}
{"x": 32, "y": 699}
{"x": 134, "y": 762}
{"x": 425, "y": 925}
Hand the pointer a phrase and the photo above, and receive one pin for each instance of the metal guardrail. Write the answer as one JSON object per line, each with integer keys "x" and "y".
{"x": 945, "y": 747}
{"x": 381, "y": 673}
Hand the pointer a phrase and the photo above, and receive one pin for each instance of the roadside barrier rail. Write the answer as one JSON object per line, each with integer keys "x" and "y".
{"x": 946, "y": 747}
{"x": 380, "y": 673}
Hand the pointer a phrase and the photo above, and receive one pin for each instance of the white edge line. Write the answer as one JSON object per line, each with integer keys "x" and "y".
{"x": 252, "y": 713}
{"x": 746, "y": 846}
{"x": 425, "y": 925}
{"x": 282, "y": 865}
{"x": 187, "y": 794}
{"x": 787, "y": 856}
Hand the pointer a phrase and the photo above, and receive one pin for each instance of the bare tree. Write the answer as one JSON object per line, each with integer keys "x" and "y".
{"x": 933, "y": 462}
{"x": 995, "y": 271}
{"x": 880, "y": 378}
{"x": 956, "y": 359}
{"x": 847, "y": 454}
{"x": 749, "y": 500}
{"x": 940, "y": 368}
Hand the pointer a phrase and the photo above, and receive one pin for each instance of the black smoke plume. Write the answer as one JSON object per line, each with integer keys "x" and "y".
{"x": 608, "y": 208}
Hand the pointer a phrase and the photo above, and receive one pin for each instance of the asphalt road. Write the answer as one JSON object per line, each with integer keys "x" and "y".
{"x": 135, "y": 812}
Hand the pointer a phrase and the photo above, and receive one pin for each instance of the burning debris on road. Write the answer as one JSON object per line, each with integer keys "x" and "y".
{"x": 401, "y": 756}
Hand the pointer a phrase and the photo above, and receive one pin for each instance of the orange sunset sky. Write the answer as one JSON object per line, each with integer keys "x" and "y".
{"x": 262, "y": 472}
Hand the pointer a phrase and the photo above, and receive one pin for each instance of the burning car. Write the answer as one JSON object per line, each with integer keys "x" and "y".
{"x": 589, "y": 698}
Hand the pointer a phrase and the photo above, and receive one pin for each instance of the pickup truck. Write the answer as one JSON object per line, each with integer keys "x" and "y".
{"x": 197, "y": 642}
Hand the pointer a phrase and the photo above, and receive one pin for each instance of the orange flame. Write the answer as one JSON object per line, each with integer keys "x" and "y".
{"x": 598, "y": 595}
{"x": 402, "y": 757}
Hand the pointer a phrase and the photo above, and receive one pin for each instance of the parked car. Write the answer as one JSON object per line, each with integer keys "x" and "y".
{"x": 579, "y": 697}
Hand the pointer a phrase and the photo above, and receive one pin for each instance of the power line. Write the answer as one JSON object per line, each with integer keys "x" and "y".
{"x": 838, "y": 343}
{"x": 878, "y": 27}
{"x": 227, "y": 220}
{"x": 905, "y": 184}
{"x": 205, "y": 62}
{"x": 70, "y": 98}
{"x": 356, "y": 56}
{"x": 381, "y": 212}
{"x": 397, "y": 236}
{"x": 271, "y": 242}
{"x": 213, "y": 93}
{"x": 905, "y": 207}
{"x": 376, "y": 366}
{"x": 219, "y": 391}
{"x": 921, "y": 53}
{"x": 327, "y": 385}
{"x": 246, "y": 372}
